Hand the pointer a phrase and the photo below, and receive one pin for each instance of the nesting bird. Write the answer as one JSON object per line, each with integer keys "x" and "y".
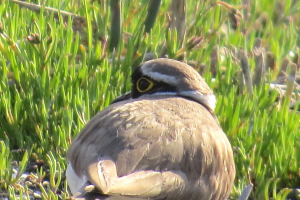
{"x": 159, "y": 141}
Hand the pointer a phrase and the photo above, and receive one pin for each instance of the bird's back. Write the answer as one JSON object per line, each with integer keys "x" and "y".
{"x": 160, "y": 134}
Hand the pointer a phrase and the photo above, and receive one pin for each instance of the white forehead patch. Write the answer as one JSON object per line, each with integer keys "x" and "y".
{"x": 158, "y": 76}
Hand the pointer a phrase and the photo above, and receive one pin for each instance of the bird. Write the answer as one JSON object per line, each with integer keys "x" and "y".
{"x": 161, "y": 140}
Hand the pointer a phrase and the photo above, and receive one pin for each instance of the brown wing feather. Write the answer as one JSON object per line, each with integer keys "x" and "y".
{"x": 167, "y": 133}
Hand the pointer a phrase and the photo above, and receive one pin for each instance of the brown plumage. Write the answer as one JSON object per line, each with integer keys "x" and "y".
{"x": 157, "y": 142}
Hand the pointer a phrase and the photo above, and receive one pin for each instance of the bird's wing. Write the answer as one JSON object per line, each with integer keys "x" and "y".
{"x": 147, "y": 143}
{"x": 127, "y": 134}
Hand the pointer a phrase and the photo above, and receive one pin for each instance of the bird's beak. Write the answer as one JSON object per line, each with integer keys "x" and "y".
{"x": 123, "y": 97}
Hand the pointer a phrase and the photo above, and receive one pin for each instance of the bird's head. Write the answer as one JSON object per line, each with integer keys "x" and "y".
{"x": 169, "y": 77}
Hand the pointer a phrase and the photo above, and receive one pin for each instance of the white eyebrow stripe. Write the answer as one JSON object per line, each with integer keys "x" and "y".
{"x": 158, "y": 76}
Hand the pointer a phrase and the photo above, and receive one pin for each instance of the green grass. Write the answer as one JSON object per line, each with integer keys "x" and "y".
{"x": 52, "y": 85}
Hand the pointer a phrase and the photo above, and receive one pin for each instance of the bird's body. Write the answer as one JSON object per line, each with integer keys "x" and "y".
{"x": 157, "y": 146}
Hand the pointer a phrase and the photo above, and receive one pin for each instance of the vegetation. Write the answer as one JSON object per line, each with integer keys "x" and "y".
{"x": 57, "y": 71}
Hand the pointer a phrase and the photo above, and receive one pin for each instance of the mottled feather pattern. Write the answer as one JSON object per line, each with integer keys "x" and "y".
{"x": 180, "y": 142}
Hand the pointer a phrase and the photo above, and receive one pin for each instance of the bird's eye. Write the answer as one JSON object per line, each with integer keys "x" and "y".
{"x": 144, "y": 85}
